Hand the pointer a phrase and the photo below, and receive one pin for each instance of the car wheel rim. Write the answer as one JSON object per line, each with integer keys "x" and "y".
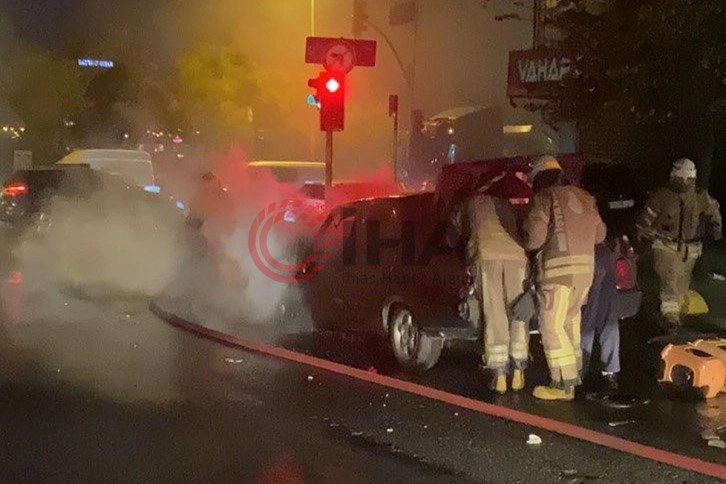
{"x": 405, "y": 335}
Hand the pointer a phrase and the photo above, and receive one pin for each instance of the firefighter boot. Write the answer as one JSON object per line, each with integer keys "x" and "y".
{"x": 518, "y": 380}
{"x": 611, "y": 382}
{"x": 554, "y": 393}
{"x": 672, "y": 322}
{"x": 499, "y": 383}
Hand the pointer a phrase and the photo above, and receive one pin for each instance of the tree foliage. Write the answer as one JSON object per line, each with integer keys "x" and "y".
{"x": 656, "y": 67}
{"x": 42, "y": 89}
{"x": 653, "y": 58}
{"x": 216, "y": 89}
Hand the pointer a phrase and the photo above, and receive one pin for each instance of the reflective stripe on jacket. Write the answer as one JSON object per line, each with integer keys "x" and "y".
{"x": 565, "y": 225}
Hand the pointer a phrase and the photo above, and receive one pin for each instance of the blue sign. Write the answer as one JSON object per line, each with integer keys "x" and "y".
{"x": 103, "y": 64}
{"x": 313, "y": 102}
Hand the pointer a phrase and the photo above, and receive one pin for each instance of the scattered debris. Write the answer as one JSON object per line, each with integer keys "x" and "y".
{"x": 128, "y": 316}
{"x": 426, "y": 427}
{"x": 534, "y": 440}
{"x": 719, "y": 277}
{"x": 718, "y": 443}
{"x": 390, "y": 431}
{"x": 233, "y": 361}
{"x": 136, "y": 345}
{"x": 386, "y": 395}
{"x": 357, "y": 434}
{"x": 620, "y": 423}
{"x": 456, "y": 414}
{"x": 310, "y": 378}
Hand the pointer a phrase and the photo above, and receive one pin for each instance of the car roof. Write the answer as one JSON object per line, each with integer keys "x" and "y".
{"x": 104, "y": 154}
{"x": 285, "y": 164}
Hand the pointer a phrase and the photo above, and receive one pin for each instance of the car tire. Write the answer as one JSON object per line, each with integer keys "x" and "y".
{"x": 414, "y": 350}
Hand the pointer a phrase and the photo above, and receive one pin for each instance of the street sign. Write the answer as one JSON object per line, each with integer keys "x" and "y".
{"x": 538, "y": 73}
{"x": 340, "y": 57}
{"x": 103, "y": 64}
{"x": 339, "y": 53}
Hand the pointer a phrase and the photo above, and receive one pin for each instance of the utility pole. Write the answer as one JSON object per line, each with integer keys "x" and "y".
{"x": 393, "y": 113}
{"x": 328, "y": 159}
{"x": 311, "y": 127}
{"x": 538, "y": 25}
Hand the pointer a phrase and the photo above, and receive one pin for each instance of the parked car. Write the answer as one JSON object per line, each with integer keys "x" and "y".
{"x": 388, "y": 271}
{"x": 28, "y": 194}
{"x": 133, "y": 166}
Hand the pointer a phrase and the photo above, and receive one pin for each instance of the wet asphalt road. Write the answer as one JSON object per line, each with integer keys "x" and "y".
{"x": 103, "y": 391}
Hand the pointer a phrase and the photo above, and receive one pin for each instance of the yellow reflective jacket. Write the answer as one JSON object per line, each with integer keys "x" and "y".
{"x": 564, "y": 225}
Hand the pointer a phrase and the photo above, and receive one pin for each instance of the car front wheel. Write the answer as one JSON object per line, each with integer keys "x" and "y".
{"x": 414, "y": 350}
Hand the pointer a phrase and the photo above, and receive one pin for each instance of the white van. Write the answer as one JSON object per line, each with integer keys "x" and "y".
{"x": 134, "y": 166}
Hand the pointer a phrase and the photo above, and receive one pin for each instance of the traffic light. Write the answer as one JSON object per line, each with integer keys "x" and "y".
{"x": 360, "y": 17}
{"x": 330, "y": 88}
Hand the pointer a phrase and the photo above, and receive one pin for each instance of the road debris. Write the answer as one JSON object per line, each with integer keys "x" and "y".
{"x": 390, "y": 431}
{"x": 310, "y": 378}
{"x": 620, "y": 423}
{"x": 232, "y": 361}
{"x": 719, "y": 277}
{"x": 718, "y": 443}
{"x": 534, "y": 440}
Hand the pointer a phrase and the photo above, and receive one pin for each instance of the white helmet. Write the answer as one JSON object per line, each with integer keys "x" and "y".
{"x": 683, "y": 168}
{"x": 543, "y": 163}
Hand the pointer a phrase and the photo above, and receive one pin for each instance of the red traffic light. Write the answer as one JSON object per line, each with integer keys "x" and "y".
{"x": 332, "y": 85}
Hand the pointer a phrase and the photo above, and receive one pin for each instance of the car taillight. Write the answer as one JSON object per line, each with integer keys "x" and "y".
{"x": 15, "y": 189}
{"x": 624, "y": 274}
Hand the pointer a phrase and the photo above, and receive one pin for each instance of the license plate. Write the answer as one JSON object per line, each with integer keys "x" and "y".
{"x": 621, "y": 204}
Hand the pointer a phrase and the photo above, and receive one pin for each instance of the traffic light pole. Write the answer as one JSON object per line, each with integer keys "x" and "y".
{"x": 395, "y": 146}
{"x": 328, "y": 159}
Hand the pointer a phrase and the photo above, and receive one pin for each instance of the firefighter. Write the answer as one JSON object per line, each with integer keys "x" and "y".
{"x": 499, "y": 263}
{"x": 676, "y": 219}
{"x": 563, "y": 227}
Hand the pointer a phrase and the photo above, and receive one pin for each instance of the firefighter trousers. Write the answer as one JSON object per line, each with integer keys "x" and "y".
{"x": 674, "y": 269}
{"x": 502, "y": 281}
{"x": 560, "y": 320}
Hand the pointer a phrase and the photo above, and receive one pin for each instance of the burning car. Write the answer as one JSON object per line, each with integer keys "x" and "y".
{"x": 389, "y": 271}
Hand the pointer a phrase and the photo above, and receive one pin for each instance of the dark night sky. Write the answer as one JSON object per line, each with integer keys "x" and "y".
{"x": 48, "y": 22}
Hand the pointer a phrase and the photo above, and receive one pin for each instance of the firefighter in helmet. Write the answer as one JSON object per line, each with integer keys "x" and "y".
{"x": 677, "y": 219}
{"x": 498, "y": 261}
{"x": 563, "y": 227}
